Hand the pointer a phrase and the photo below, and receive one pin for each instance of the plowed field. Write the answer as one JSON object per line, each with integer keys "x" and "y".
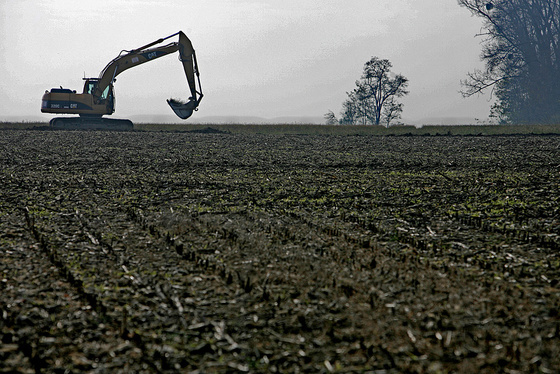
{"x": 179, "y": 252}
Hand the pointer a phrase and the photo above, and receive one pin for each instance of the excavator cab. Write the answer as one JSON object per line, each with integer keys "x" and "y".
{"x": 107, "y": 97}
{"x": 90, "y": 85}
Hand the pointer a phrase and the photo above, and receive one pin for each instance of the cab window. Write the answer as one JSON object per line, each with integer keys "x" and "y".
{"x": 91, "y": 87}
{"x": 105, "y": 93}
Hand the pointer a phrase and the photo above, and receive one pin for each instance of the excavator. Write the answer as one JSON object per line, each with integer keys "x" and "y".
{"x": 98, "y": 96}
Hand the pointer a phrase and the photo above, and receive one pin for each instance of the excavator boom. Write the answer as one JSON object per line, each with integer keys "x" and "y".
{"x": 97, "y": 98}
{"x": 133, "y": 58}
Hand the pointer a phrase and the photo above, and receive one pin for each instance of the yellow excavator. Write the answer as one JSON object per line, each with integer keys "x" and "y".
{"x": 98, "y": 97}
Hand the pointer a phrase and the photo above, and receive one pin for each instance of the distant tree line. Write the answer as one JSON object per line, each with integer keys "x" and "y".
{"x": 521, "y": 51}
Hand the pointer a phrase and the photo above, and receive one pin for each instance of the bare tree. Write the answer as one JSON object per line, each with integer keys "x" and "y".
{"x": 392, "y": 112}
{"x": 330, "y": 118}
{"x": 373, "y": 101}
{"x": 521, "y": 50}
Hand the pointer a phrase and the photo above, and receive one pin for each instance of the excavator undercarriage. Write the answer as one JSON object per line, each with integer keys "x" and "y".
{"x": 98, "y": 99}
{"x": 90, "y": 123}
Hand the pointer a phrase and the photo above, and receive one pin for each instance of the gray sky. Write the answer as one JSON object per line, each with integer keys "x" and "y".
{"x": 257, "y": 58}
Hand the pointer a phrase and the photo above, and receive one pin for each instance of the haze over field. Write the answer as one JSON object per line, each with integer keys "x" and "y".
{"x": 277, "y": 60}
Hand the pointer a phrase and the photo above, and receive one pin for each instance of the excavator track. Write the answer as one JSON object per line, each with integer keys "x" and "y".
{"x": 85, "y": 123}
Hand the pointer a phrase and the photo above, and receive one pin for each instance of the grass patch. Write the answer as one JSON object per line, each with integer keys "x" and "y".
{"x": 23, "y": 125}
{"x": 313, "y": 129}
{"x": 293, "y": 129}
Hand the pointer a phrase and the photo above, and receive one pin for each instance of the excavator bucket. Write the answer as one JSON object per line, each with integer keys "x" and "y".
{"x": 183, "y": 110}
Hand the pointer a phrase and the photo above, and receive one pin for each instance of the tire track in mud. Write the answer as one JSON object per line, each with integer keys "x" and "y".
{"x": 387, "y": 298}
{"x": 441, "y": 273}
{"x": 139, "y": 264}
{"x": 270, "y": 308}
{"x": 47, "y": 313}
{"x": 141, "y": 287}
{"x": 298, "y": 286}
{"x": 482, "y": 288}
{"x": 111, "y": 347}
{"x": 450, "y": 291}
{"x": 280, "y": 302}
{"x": 206, "y": 261}
{"x": 206, "y": 311}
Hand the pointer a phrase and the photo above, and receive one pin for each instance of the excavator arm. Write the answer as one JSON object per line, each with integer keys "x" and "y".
{"x": 129, "y": 59}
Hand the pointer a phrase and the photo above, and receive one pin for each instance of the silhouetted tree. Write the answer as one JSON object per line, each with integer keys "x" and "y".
{"x": 330, "y": 118}
{"x": 373, "y": 101}
{"x": 522, "y": 55}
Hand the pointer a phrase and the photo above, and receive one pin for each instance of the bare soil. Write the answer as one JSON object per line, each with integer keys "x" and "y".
{"x": 204, "y": 252}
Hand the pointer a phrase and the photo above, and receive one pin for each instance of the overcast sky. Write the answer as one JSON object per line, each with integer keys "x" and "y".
{"x": 257, "y": 58}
